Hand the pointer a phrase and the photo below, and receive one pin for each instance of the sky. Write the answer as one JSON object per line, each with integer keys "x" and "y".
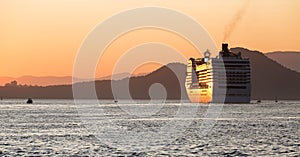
{"x": 42, "y": 37}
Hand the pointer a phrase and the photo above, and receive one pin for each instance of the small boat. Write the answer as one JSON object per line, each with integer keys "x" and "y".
{"x": 116, "y": 101}
{"x": 29, "y": 101}
{"x": 258, "y": 101}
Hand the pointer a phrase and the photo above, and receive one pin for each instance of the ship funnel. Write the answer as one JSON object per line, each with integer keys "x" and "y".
{"x": 225, "y": 48}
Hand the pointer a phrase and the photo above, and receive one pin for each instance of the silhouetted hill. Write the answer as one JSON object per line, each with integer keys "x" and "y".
{"x": 138, "y": 86}
{"x": 171, "y": 77}
{"x": 288, "y": 59}
{"x": 49, "y": 92}
{"x": 40, "y": 80}
{"x": 269, "y": 80}
{"x": 57, "y": 80}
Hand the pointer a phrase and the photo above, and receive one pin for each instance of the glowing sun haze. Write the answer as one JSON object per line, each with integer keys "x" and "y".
{"x": 41, "y": 38}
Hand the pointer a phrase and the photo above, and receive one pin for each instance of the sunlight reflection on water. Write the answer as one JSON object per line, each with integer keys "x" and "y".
{"x": 50, "y": 127}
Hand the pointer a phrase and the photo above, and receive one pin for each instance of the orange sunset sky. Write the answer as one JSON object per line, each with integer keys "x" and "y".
{"x": 42, "y": 37}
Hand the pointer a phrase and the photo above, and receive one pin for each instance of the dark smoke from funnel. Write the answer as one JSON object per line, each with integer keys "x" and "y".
{"x": 236, "y": 19}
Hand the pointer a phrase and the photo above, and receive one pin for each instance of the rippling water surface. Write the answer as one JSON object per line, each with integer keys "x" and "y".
{"x": 54, "y": 127}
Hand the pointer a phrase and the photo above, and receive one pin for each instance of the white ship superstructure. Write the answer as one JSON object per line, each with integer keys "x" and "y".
{"x": 222, "y": 79}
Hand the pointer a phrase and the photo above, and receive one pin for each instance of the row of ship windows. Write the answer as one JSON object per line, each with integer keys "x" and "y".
{"x": 233, "y": 87}
{"x": 231, "y": 61}
{"x": 204, "y": 86}
{"x": 233, "y": 82}
{"x": 221, "y": 87}
{"x": 239, "y": 67}
{"x": 232, "y": 67}
{"x": 215, "y": 72}
{"x": 227, "y": 83}
{"x": 203, "y": 76}
{"x": 233, "y": 94}
{"x": 237, "y": 94}
{"x": 219, "y": 73}
{"x": 196, "y": 73}
{"x": 223, "y": 77}
{"x": 234, "y": 76}
{"x": 219, "y": 78}
{"x": 220, "y": 82}
{"x": 227, "y": 94}
{"x": 224, "y": 63}
{"x": 237, "y": 82}
{"x": 203, "y": 72}
{"x": 237, "y": 72}
{"x": 203, "y": 79}
{"x": 228, "y": 76}
{"x": 220, "y": 64}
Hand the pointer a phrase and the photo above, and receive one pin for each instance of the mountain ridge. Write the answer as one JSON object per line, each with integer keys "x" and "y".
{"x": 269, "y": 81}
{"x": 289, "y": 59}
{"x": 58, "y": 80}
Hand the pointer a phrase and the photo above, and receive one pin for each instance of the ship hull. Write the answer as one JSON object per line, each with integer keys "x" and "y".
{"x": 196, "y": 95}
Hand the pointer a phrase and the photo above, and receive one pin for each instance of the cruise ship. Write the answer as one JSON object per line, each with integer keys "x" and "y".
{"x": 224, "y": 79}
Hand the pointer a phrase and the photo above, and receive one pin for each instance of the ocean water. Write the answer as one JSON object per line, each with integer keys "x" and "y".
{"x": 59, "y": 128}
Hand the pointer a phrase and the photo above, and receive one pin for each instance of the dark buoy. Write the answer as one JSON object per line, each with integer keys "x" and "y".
{"x": 29, "y": 101}
{"x": 258, "y": 101}
{"x": 116, "y": 101}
